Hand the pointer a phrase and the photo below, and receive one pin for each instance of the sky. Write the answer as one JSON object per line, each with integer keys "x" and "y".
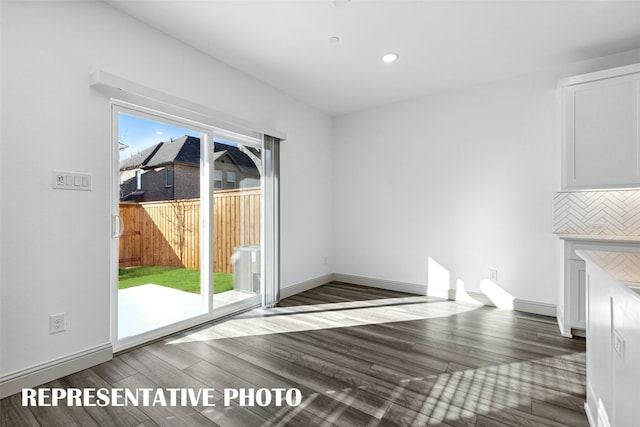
{"x": 138, "y": 133}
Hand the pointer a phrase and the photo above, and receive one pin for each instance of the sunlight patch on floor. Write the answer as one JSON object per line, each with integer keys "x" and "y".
{"x": 328, "y": 316}
{"x": 506, "y": 389}
{"x": 502, "y": 387}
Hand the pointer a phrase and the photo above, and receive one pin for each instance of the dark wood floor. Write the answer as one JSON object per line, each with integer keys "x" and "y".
{"x": 360, "y": 356}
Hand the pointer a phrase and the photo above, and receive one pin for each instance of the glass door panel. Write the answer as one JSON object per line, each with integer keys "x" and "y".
{"x": 237, "y": 223}
{"x": 162, "y": 236}
{"x": 188, "y": 243}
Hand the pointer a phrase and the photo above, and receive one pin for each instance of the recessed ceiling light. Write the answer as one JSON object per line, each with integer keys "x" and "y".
{"x": 389, "y": 57}
{"x": 334, "y": 39}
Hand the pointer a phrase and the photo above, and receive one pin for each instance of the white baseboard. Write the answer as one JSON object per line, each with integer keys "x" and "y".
{"x": 542, "y": 308}
{"x": 37, "y": 375}
{"x": 590, "y": 406}
{"x": 305, "y": 286}
{"x": 475, "y": 296}
{"x": 381, "y": 284}
{"x": 533, "y": 307}
{"x": 526, "y": 306}
{"x": 590, "y": 419}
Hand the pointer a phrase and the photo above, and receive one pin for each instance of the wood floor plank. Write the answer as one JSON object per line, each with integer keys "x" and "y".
{"x": 172, "y": 354}
{"x": 360, "y": 356}
{"x": 242, "y": 369}
{"x": 364, "y": 401}
{"x": 358, "y": 378}
{"x": 237, "y": 373}
{"x": 212, "y": 338}
{"x": 216, "y": 378}
{"x": 162, "y": 415}
{"x": 12, "y": 413}
{"x": 114, "y": 370}
{"x": 232, "y": 417}
{"x": 574, "y": 418}
{"x": 428, "y": 334}
{"x": 400, "y": 416}
{"x": 103, "y": 415}
{"x": 365, "y": 345}
{"x": 160, "y": 372}
{"x": 63, "y": 414}
{"x": 334, "y": 409}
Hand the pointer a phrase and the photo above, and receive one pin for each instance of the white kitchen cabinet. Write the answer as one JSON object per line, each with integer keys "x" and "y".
{"x": 578, "y": 294}
{"x": 626, "y": 327}
{"x": 599, "y": 349}
{"x": 613, "y": 344}
{"x": 601, "y": 122}
{"x": 572, "y": 307}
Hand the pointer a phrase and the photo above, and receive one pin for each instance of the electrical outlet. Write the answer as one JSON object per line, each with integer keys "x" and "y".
{"x": 57, "y": 323}
{"x": 493, "y": 275}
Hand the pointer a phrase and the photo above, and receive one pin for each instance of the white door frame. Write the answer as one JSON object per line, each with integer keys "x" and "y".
{"x": 206, "y": 232}
{"x": 269, "y": 276}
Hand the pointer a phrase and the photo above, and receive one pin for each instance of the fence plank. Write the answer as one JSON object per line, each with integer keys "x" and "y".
{"x": 129, "y": 251}
{"x": 168, "y": 232}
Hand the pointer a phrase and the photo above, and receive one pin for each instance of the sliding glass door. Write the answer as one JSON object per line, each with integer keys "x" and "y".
{"x": 187, "y": 215}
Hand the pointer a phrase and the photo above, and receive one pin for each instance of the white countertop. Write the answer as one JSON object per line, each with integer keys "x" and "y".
{"x": 599, "y": 237}
{"x": 622, "y": 266}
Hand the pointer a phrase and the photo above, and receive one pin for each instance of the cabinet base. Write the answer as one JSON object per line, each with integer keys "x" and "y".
{"x": 579, "y": 333}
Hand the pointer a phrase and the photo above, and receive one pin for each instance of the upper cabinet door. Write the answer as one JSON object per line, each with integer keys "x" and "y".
{"x": 602, "y": 133}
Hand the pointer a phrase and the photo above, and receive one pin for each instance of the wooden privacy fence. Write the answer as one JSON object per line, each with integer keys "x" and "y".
{"x": 168, "y": 232}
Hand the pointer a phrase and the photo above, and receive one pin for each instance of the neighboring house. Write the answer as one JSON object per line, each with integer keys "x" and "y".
{"x": 171, "y": 171}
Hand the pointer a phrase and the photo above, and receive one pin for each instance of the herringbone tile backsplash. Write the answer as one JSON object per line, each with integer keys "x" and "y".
{"x": 614, "y": 213}
{"x": 623, "y": 266}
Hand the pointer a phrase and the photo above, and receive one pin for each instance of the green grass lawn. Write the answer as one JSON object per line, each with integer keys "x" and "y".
{"x": 184, "y": 279}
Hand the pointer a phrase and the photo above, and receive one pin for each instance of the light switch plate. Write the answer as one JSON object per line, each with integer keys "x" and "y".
{"x": 71, "y": 181}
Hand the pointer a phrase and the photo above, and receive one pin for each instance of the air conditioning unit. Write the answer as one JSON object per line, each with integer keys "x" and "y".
{"x": 246, "y": 264}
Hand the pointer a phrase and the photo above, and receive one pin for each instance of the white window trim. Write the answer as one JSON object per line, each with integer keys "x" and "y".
{"x": 234, "y": 180}
{"x": 217, "y": 172}
{"x": 224, "y": 125}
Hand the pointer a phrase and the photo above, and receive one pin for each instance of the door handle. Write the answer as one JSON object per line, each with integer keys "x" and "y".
{"x": 118, "y": 226}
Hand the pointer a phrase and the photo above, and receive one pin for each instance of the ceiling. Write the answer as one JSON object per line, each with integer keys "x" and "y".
{"x": 442, "y": 44}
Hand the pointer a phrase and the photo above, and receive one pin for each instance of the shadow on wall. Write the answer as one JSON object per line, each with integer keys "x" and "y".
{"x": 439, "y": 285}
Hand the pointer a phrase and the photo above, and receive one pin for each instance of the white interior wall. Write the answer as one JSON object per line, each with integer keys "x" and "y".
{"x": 55, "y": 244}
{"x": 464, "y": 177}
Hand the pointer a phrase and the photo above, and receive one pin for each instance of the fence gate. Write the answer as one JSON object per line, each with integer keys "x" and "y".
{"x": 130, "y": 245}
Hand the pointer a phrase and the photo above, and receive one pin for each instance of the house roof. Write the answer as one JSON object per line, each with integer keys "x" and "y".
{"x": 134, "y": 196}
{"x": 139, "y": 160}
{"x": 239, "y": 158}
{"x": 184, "y": 150}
